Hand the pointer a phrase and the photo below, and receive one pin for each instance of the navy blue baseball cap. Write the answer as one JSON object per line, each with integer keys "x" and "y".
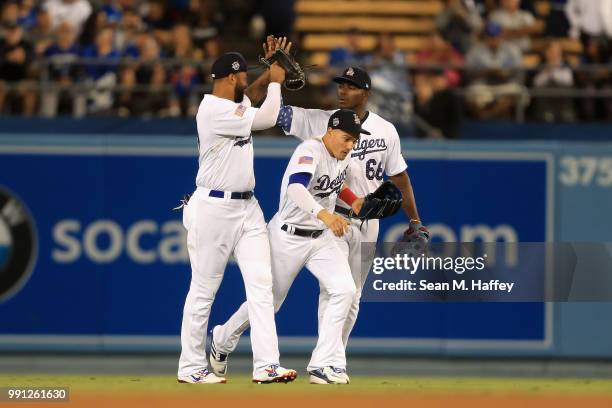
{"x": 493, "y": 30}
{"x": 228, "y": 63}
{"x": 348, "y": 121}
{"x": 356, "y": 76}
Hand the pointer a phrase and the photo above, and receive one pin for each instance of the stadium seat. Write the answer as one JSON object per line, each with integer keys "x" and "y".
{"x": 369, "y": 7}
{"x": 367, "y": 24}
{"x": 326, "y": 42}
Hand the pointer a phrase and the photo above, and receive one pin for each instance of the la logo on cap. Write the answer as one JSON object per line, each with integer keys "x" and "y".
{"x": 235, "y": 65}
{"x": 336, "y": 121}
{"x": 350, "y": 71}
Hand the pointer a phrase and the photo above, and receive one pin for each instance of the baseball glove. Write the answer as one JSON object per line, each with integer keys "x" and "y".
{"x": 384, "y": 202}
{"x": 414, "y": 241}
{"x": 295, "y": 79}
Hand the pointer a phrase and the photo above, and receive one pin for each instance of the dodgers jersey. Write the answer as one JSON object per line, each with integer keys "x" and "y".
{"x": 225, "y": 144}
{"x": 328, "y": 176}
{"x": 372, "y": 156}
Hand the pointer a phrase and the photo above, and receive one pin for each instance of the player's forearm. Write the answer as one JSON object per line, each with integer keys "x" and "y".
{"x": 347, "y": 195}
{"x": 402, "y": 181}
{"x": 257, "y": 90}
{"x": 303, "y": 199}
{"x": 266, "y": 115}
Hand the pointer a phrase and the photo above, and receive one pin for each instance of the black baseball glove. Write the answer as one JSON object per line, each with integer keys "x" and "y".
{"x": 384, "y": 202}
{"x": 295, "y": 79}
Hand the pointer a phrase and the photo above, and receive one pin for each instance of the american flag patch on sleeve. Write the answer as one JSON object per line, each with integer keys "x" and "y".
{"x": 305, "y": 160}
{"x": 240, "y": 110}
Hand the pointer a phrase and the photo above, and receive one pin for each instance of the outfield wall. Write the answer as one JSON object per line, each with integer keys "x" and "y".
{"x": 111, "y": 268}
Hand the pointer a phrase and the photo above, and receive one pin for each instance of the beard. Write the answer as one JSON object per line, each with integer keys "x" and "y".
{"x": 238, "y": 94}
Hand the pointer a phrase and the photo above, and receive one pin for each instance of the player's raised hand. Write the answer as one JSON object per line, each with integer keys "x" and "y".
{"x": 272, "y": 44}
{"x": 284, "y": 44}
{"x": 337, "y": 224}
{"x": 269, "y": 46}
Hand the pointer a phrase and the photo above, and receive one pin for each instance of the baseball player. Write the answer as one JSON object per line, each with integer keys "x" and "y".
{"x": 313, "y": 180}
{"x": 224, "y": 218}
{"x": 375, "y": 155}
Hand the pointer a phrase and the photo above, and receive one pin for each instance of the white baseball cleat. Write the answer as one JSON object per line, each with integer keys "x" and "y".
{"x": 217, "y": 360}
{"x": 274, "y": 374}
{"x": 202, "y": 377}
{"x": 328, "y": 375}
{"x": 341, "y": 372}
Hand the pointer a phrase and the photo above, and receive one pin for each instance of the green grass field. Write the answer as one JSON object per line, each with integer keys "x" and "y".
{"x": 241, "y": 383}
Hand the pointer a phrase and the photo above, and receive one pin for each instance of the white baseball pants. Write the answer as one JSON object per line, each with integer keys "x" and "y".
{"x": 350, "y": 245}
{"x": 216, "y": 228}
{"x": 329, "y": 265}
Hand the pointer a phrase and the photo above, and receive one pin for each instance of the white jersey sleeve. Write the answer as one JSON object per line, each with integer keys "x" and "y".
{"x": 304, "y": 160}
{"x": 309, "y": 123}
{"x": 395, "y": 163}
{"x": 231, "y": 119}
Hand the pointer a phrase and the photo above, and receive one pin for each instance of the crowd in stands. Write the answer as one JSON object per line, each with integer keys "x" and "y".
{"x": 480, "y": 47}
{"x": 127, "y": 57}
{"x": 152, "y": 58}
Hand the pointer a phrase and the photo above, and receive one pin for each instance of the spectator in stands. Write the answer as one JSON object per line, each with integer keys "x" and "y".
{"x": 15, "y": 59}
{"x": 211, "y": 48}
{"x": 555, "y": 74}
{"x": 204, "y": 20}
{"x": 181, "y": 44}
{"x": 63, "y": 71}
{"x": 10, "y": 13}
{"x": 156, "y": 19}
{"x": 149, "y": 73}
{"x": 126, "y": 35}
{"x": 518, "y": 25}
{"x": 75, "y": 12}
{"x": 391, "y": 94}
{"x": 439, "y": 52}
{"x": 101, "y": 74}
{"x": 185, "y": 97}
{"x": 96, "y": 22}
{"x": 42, "y": 35}
{"x": 185, "y": 77}
{"x": 495, "y": 82}
{"x": 113, "y": 12}
{"x": 589, "y": 18}
{"x": 595, "y": 75}
{"x": 352, "y": 54}
{"x": 459, "y": 23}
{"x": 557, "y": 24}
{"x": 438, "y": 109}
{"x": 27, "y": 14}
{"x": 486, "y": 7}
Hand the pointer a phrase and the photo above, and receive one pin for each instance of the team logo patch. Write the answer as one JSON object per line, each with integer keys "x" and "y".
{"x": 18, "y": 244}
{"x": 336, "y": 122}
{"x": 350, "y": 72}
{"x": 240, "y": 110}
{"x": 305, "y": 160}
{"x": 236, "y": 65}
{"x": 357, "y": 121}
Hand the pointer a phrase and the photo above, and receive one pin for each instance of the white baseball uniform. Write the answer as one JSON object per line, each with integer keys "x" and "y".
{"x": 321, "y": 255}
{"x": 374, "y": 154}
{"x": 222, "y": 218}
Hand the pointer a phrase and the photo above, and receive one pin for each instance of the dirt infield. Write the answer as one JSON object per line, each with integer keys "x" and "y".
{"x": 93, "y": 400}
{"x": 94, "y": 391}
